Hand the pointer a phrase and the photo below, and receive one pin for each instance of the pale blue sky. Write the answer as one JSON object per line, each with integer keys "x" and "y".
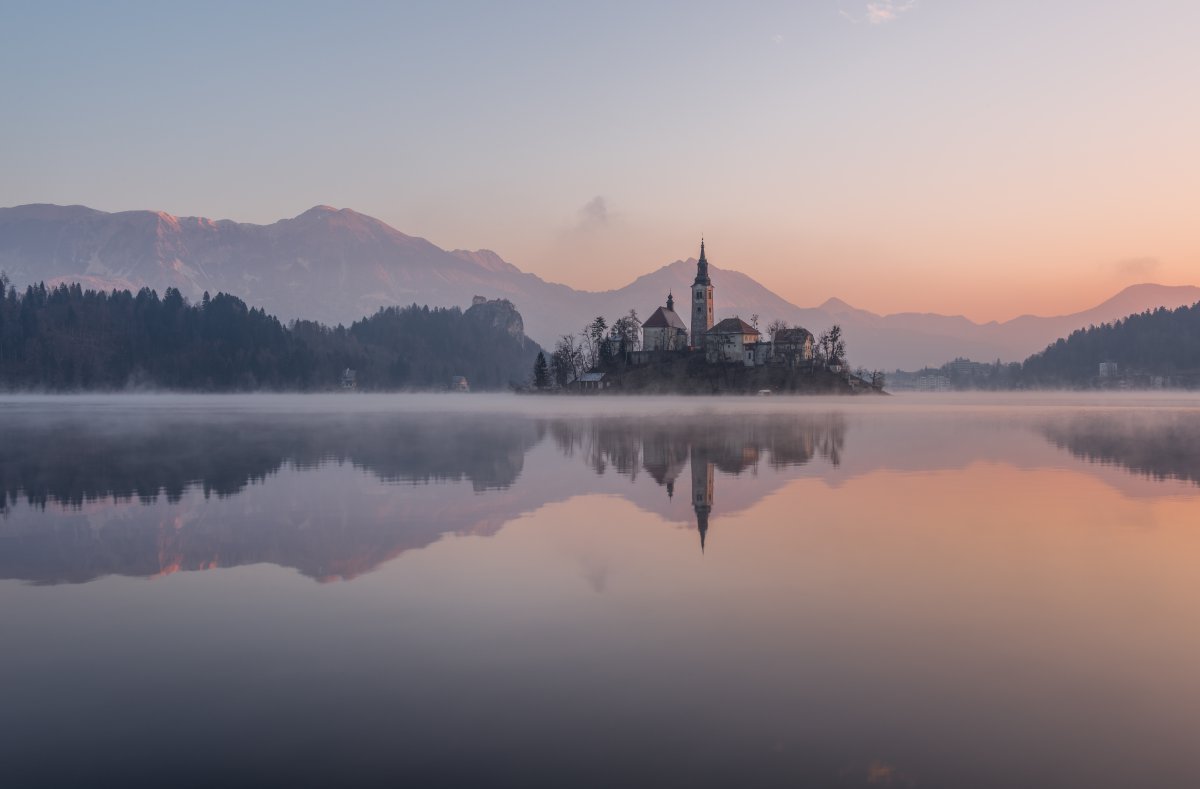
{"x": 987, "y": 158}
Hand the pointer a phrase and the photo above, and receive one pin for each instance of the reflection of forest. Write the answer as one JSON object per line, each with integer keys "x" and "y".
{"x": 1162, "y": 445}
{"x": 71, "y": 462}
{"x": 101, "y": 473}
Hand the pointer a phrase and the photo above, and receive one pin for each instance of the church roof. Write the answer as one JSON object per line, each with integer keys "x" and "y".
{"x": 733, "y": 326}
{"x": 664, "y": 318}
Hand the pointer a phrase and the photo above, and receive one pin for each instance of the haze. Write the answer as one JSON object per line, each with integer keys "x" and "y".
{"x": 988, "y": 159}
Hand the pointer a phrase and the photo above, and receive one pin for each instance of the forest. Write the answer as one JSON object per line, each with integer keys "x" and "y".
{"x": 66, "y": 338}
{"x": 1161, "y": 343}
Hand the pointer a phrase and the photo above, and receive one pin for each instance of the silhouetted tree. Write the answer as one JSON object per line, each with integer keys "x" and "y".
{"x": 541, "y": 372}
{"x": 831, "y": 349}
{"x": 567, "y": 361}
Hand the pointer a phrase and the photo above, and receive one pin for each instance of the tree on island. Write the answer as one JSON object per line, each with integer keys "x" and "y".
{"x": 831, "y": 349}
{"x": 776, "y": 326}
{"x": 541, "y": 372}
{"x": 593, "y": 336}
{"x": 567, "y": 362}
{"x": 626, "y": 333}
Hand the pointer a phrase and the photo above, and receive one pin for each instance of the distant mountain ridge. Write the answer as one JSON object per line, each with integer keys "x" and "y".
{"x": 337, "y": 265}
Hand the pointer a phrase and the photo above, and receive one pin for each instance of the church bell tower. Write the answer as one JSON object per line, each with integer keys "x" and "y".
{"x": 702, "y": 301}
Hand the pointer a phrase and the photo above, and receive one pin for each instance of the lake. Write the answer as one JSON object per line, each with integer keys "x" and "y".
{"x": 914, "y": 591}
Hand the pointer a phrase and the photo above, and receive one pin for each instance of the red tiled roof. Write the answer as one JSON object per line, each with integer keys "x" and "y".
{"x": 733, "y": 326}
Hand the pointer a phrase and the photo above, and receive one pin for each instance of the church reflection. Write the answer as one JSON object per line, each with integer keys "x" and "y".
{"x": 703, "y": 471}
{"x": 703, "y": 447}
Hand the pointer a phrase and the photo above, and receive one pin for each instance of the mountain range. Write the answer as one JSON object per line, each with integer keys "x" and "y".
{"x": 337, "y": 265}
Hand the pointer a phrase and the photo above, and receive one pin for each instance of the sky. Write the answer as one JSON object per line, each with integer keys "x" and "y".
{"x": 980, "y": 158}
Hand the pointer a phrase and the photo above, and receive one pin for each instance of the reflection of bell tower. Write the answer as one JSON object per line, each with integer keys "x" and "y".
{"x": 702, "y": 301}
{"x": 702, "y": 490}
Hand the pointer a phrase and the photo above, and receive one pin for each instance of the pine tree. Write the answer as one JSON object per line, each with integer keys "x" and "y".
{"x": 541, "y": 372}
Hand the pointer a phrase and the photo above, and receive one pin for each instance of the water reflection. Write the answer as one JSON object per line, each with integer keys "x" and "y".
{"x": 151, "y": 496}
{"x": 1158, "y": 445}
{"x": 335, "y": 496}
{"x": 665, "y": 447}
{"x": 871, "y": 596}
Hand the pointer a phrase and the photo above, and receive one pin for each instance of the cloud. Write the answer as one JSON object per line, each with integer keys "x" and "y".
{"x": 594, "y": 214}
{"x": 879, "y": 12}
{"x": 887, "y": 10}
{"x": 1136, "y": 267}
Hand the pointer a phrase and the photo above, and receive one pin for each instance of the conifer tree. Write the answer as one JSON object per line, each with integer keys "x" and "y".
{"x": 541, "y": 372}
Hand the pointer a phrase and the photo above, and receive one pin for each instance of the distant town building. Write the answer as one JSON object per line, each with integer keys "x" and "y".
{"x": 702, "y": 301}
{"x": 349, "y": 379}
{"x": 459, "y": 384}
{"x": 665, "y": 330}
{"x": 1108, "y": 369}
{"x": 935, "y": 382}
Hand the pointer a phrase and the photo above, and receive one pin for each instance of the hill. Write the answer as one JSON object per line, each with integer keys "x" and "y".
{"x": 1162, "y": 344}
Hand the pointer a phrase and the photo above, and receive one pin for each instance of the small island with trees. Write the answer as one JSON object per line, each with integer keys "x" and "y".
{"x": 661, "y": 356}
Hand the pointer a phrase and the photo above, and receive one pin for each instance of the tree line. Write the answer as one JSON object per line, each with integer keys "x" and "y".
{"x": 67, "y": 338}
{"x": 1162, "y": 342}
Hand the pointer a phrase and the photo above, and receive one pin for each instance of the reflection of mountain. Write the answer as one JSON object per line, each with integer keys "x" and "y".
{"x": 339, "y": 528}
{"x": 320, "y": 513}
{"x": 336, "y": 495}
{"x": 1162, "y": 445}
{"x": 134, "y": 495}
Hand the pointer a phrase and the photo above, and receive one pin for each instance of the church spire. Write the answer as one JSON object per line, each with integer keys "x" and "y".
{"x": 702, "y": 267}
{"x": 671, "y": 301}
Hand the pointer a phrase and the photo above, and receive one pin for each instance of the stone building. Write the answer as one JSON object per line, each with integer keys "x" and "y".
{"x": 665, "y": 330}
{"x": 731, "y": 340}
{"x": 792, "y": 347}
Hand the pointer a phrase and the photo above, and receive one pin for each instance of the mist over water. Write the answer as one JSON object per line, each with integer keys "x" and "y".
{"x": 465, "y": 589}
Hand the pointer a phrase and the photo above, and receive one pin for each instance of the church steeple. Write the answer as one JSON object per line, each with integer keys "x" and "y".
{"x": 671, "y": 301}
{"x": 702, "y": 300}
{"x": 702, "y": 267}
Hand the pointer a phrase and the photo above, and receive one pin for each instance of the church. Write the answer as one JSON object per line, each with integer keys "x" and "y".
{"x": 665, "y": 330}
{"x": 731, "y": 340}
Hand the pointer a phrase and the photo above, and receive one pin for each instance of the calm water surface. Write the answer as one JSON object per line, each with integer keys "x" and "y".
{"x": 499, "y": 591}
